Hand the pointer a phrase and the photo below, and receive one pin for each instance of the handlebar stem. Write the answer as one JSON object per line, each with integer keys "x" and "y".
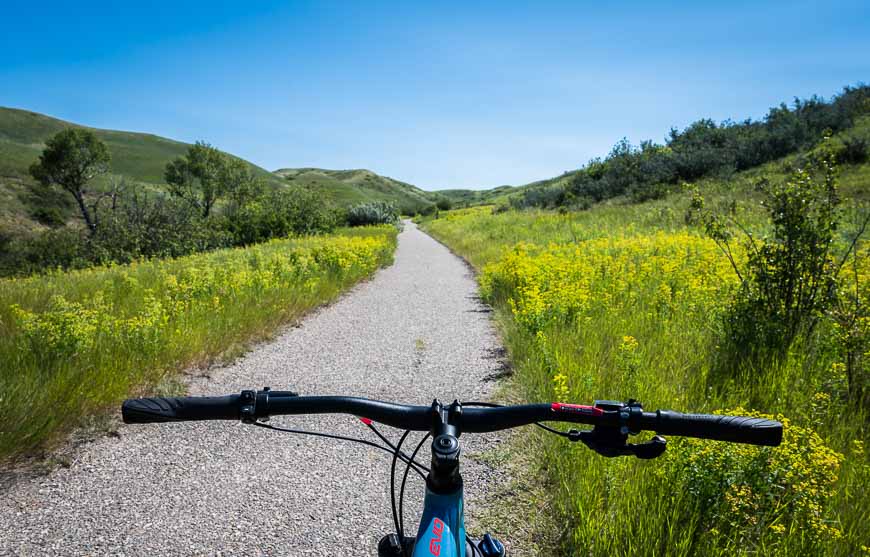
{"x": 444, "y": 476}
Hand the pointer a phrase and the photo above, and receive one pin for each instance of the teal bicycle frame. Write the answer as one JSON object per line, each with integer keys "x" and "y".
{"x": 442, "y": 528}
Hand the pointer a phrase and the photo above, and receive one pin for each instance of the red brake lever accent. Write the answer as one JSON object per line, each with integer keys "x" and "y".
{"x": 577, "y": 409}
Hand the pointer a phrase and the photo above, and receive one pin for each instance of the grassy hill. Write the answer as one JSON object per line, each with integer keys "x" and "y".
{"x": 470, "y": 198}
{"x": 348, "y": 187}
{"x": 139, "y": 157}
{"x": 854, "y": 178}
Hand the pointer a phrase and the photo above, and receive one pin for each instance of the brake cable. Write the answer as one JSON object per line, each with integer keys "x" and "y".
{"x": 391, "y": 449}
{"x": 399, "y": 530}
{"x": 539, "y": 424}
{"x": 418, "y": 467}
{"x": 395, "y": 450}
{"x": 405, "y": 479}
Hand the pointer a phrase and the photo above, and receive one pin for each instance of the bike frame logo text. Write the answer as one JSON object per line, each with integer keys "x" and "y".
{"x": 435, "y": 542}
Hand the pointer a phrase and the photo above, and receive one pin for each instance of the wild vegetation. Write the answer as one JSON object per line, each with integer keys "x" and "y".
{"x": 649, "y": 301}
{"x": 138, "y": 195}
{"x": 377, "y": 212}
{"x": 704, "y": 149}
{"x": 73, "y": 343}
{"x": 212, "y": 201}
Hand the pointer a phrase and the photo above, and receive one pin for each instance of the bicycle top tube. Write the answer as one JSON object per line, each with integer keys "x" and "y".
{"x": 251, "y": 406}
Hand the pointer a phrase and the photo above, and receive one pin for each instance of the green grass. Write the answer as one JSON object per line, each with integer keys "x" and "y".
{"x": 350, "y": 187}
{"x": 140, "y": 158}
{"x": 617, "y": 259}
{"x": 469, "y": 198}
{"x": 73, "y": 344}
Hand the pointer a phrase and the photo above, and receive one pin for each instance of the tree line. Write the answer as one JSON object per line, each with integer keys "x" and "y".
{"x": 705, "y": 148}
{"x": 211, "y": 200}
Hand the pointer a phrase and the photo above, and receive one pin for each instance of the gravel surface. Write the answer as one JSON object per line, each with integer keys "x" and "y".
{"x": 414, "y": 332}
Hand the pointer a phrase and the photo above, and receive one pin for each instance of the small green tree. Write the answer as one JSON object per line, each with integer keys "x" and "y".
{"x": 206, "y": 175}
{"x": 789, "y": 280}
{"x": 443, "y": 204}
{"x": 70, "y": 160}
{"x": 240, "y": 183}
{"x": 196, "y": 177}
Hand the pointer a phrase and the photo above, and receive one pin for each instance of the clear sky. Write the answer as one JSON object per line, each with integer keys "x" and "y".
{"x": 439, "y": 94}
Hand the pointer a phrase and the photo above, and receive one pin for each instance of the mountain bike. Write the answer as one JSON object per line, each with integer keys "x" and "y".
{"x": 441, "y": 532}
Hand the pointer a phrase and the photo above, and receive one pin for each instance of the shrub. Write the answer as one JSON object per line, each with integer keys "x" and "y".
{"x": 154, "y": 227}
{"x": 744, "y": 494}
{"x": 49, "y": 216}
{"x": 283, "y": 213}
{"x": 706, "y": 148}
{"x": 375, "y": 212}
{"x": 853, "y": 151}
{"x": 789, "y": 279}
{"x": 26, "y": 253}
{"x": 443, "y": 204}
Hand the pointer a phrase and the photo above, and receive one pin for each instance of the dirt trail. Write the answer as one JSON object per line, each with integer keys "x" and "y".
{"x": 414, "y": 332}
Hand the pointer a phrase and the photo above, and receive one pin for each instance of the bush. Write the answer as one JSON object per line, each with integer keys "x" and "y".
{"x": 853, "y": 151}
{"x": 788, "y": 283}
{"x": 706, "y": 148}
{"x": 155, "y": 227}
{"x": 49, "y": 216}
{"x": 375, "y": 212}
{"x": 749, "y": 497}
{"x": 27, "y": 252}
{"x": 283, "y": 213}
{"x": 546, "y": 197}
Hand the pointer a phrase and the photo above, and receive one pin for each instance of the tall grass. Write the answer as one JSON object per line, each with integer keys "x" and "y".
{"x": 625, "y": 302}
{"x": 73, "y": 343}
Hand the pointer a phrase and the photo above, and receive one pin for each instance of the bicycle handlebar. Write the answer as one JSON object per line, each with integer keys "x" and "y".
{"x": 250, "y": 406}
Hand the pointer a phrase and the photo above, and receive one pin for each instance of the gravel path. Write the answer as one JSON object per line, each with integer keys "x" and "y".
{"x": 414, "y": 332}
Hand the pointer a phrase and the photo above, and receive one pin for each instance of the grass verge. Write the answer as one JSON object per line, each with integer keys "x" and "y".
{"x": 73, "y": 344}
{"x": 625, "y": 302}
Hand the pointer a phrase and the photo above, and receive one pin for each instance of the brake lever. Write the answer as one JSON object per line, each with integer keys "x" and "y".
{"x": 611, "y": 441}
{"x": 611, "y": 446}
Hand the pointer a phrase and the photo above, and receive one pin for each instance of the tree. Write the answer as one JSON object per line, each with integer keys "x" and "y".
{"x": 70, "y": 160}
{"x": 789, "y": 281}
{"x": 239, "y": 182}
{"x": 196, "y": 177}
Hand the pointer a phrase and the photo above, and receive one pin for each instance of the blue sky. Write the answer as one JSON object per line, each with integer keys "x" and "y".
{"x": 447, "y": 94}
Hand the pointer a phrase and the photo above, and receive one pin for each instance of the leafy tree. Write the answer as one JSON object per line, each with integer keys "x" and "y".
{"x": 789, "y": 281}
{"x": 443, "y": 204}
{"x": 295, "y": 211}
{"x": 198, "y": 177}
{"x": 241, "y": 184}
{"x": 71, "y": 159}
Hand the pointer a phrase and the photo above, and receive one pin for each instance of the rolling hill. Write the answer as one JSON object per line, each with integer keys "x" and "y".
{"x": 348, "y": 187}
{"x": 140, "y": 158}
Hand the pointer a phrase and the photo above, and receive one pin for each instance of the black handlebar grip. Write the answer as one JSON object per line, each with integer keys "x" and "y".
{"x": 153, "y": 410}
{"x": 738, "y": 429}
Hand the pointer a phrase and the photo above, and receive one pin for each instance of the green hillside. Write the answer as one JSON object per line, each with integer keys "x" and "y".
{"x": 469, "y": 198}
{"x": 138, "y": 157}
{"x": 348, "y": 187}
